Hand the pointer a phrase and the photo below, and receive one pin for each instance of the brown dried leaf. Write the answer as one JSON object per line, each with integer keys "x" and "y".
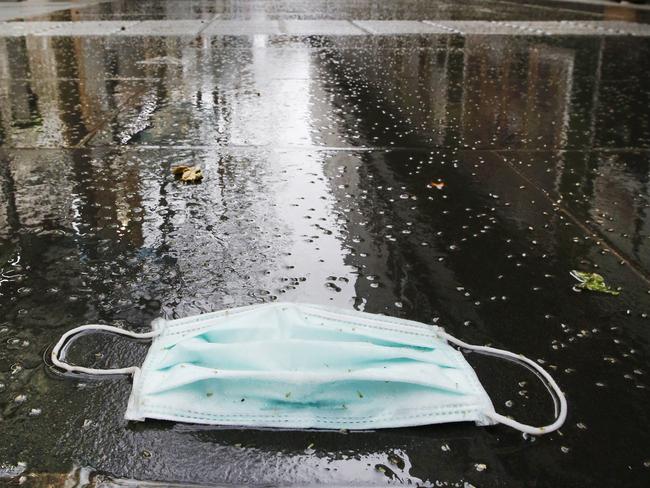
{"x": 192, "y": 175}
{"x": 188, "y": 174}
{"x": 179, "y": 170}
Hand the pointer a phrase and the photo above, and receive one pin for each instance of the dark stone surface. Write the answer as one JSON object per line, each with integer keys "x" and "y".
{"x": 317, "y": 153}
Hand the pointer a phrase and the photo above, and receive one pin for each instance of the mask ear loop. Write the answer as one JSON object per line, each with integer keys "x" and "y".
{"x": 502, "y": 419}
{"x": 132, "y": 370}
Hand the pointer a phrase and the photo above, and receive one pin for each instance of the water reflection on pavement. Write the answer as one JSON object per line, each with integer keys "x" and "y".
{"x": 319, "y": 153}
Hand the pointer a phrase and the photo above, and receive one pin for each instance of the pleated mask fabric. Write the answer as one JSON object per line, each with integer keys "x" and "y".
{"x": 307, "y": 366}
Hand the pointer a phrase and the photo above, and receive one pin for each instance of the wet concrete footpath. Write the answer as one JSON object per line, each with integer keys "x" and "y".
{"x": 444, "y": 161}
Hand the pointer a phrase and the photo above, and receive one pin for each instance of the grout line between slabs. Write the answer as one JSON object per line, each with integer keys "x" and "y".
{"x": 587, "y": 229}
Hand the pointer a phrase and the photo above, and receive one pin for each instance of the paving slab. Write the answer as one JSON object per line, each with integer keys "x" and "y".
{"x": 396, "y": 27}
{"x": 19, "y": 29}
{"x": 485, "y": 28}
{"x": 311, "y": 28}
{"x": 24, "y": 10}
{"x": 184, "y": 28}
{"x": 70, "y": 112}
{"x": 87, "y": 28}
{"x": 452, "y": 172}
{"x": 553, "y": 28}
{"x": 613, "y": 27}
{"x": 320, "y": 28}
{"x": 242, "y": 28}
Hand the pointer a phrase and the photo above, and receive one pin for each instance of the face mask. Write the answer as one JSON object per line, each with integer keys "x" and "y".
{"x": 307, "y": 366}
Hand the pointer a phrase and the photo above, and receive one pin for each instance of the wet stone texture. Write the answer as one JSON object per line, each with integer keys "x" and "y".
{"x": 451, "y": 173}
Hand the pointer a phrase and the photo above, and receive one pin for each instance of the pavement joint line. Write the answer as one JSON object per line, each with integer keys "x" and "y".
{"x": 216, "y": 17}
{"x": 625, "y": 149}
{"x": 366, "y": 29}
{"x": 336, "y": 28}
{"x": 596, "y": 28}
{"x": 287, "y": 147}
{"x": 159, "y": 80}
{"x": 588, "y": 3}
{"x": 524, "y": 28}
{"x": 54, "y": 78}
{"x": 554, "y": 9}
{"x": 589, "y": 231}
{"x": 586, "y": 26}
{"x": 565, "y": 150}
{"x": 442, "y": 26}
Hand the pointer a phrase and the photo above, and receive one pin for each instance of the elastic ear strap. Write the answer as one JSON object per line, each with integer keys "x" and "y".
{"x": 97, "y": 327}
{"x": 528, "y": 429}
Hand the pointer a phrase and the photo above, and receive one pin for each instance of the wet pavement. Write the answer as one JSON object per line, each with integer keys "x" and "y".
{"x": 321, "y": 128}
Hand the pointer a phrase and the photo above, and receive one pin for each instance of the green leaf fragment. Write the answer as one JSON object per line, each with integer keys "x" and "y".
{"x": 593, "y": 282}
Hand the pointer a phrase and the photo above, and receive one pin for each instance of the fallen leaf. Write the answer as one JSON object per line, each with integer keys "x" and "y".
{"x": 188, "y": 174}
{"x": 592, "y": 282}
{"x": 179, "y": 170}
{"x": 438, "y": 185}
{"x": 192, "y": 175}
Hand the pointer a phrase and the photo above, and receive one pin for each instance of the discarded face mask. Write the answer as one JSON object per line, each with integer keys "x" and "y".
{"x": 306, "y": 366}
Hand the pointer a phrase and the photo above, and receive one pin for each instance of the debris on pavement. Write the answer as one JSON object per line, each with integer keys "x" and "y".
{"x": 438, "y": 185}
{"x": 592, "y": 282}
{"x": 188, "y": 174}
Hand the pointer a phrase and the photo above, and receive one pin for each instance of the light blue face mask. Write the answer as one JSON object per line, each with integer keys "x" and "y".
{"x": 306, "y": 366}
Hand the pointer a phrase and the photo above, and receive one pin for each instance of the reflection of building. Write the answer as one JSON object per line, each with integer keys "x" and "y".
{"x": 51, "y": 98}
{"x": 433, "y": 92}
{"x": 515, "y": 100}
{"x": 541, "y": 98}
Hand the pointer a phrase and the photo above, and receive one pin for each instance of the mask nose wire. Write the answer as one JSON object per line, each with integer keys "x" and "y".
{"x": 132, "y": 370}
{"x": 502, "y": 419}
